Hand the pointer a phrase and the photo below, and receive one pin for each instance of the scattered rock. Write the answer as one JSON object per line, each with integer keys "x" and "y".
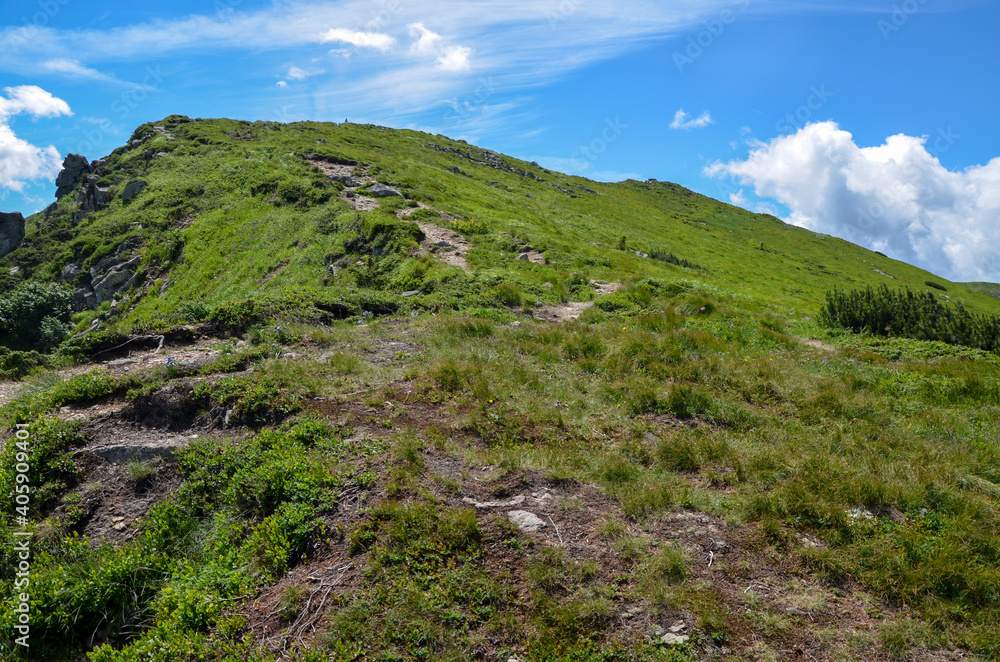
{"x": 11, "y": 232}
{"x": 121, "y": 363}
{"x": 383, "y": 191}
{"x": 523, "y": 256}
{"x": 631, "y": 612}
{"x": 525, "y": 521}
{"x": 487, "y": 505}
{"x": 346, "y": 180}
{"x": 528, "y": 195}
{"x": 411, "y": 293}
{"x": 674, "y": 639}
{"x": 808, "y": 543}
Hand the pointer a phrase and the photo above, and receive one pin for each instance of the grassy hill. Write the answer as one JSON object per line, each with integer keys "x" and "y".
{"x": 993, "y": 289}
{"x": 341, "y": 392}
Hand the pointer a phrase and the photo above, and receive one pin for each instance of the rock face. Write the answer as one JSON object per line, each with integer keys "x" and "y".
{"x": 91, "y": 196}
{"x": 113, "y": 274}
{"x": 75, "y": 167}
{"x": 11, "y": 232}
{"x": 133, "y": 189}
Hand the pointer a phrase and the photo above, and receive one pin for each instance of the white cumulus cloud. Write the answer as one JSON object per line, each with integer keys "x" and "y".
{"x": 684, "y": 121}
{"x": 896, "y": 198}
{"x": 20, "y": 161}
{"x": 428, "y": 43}
{"x": 376, "y": 40}
{"x": 455, "y": 58}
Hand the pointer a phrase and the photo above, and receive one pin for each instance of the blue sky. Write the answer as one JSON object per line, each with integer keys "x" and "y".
{"x": 873, "y": 121}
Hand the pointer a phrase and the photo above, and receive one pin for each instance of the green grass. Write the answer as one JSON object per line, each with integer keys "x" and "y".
{"x": 238, "y": 230}
{"x": 688, "y": 389}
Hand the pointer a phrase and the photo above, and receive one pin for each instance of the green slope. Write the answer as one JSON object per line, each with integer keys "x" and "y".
{"x": 234, "y": 210}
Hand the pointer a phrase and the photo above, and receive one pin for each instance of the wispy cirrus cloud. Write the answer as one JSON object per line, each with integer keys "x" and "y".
{"x": 457, "y": 40}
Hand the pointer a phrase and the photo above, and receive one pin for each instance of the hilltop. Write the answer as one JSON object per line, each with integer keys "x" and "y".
{"x": 208, "y": 213}
{"x": 322, "y": 391}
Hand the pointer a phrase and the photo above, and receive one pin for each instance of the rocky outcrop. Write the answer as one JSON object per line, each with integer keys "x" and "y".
{"x": 133, "y": 189}
{"x": 115, "y": 273}
{"x": 11, "y": 232}
{"x": 487, "y": 158}
{"x": 91, "y": 196}
{"x": 75, "y": 167}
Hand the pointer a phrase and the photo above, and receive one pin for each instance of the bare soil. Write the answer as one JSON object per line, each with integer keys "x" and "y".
{"x": 571, "y": 310}
{"x": 445, "y": 245}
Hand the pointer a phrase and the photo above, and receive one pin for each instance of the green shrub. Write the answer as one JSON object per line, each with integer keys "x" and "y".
{"x": 35, "y": 315}
{"x": 670, "y": 258}
{"x": 908, "y": 314}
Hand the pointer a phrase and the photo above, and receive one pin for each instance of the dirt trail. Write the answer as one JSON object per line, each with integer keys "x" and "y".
{"x": 446, "y": 245}
{"x": 187, "y": 355}
{"x": 818, "y": 344}
{"x": 346, "y": 175}
{"x": 564, "y": 312}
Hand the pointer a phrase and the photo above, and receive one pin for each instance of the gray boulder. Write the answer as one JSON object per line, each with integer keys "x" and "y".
{"x": 115, "y": 280}
{"x": 11, "y": 232}
{"x": 133, "y": 189}
{"x": 346, "y": 180}
{"x": 70, "y": 270}
{"x": 383, "y": 191}
{"x": 74, "y": 168}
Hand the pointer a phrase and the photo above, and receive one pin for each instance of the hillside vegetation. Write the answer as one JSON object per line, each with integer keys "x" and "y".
{"x": 340, "y": 392}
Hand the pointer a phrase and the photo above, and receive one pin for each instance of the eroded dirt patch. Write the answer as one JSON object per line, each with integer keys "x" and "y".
{"x": 445, "y": 245}
{"x": 818, "y": 344}
{"x": 563, "y": 312}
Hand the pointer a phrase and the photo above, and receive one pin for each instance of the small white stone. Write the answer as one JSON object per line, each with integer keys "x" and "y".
{"x": 527, "y": 522}
{"x": 674, "y": 639}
